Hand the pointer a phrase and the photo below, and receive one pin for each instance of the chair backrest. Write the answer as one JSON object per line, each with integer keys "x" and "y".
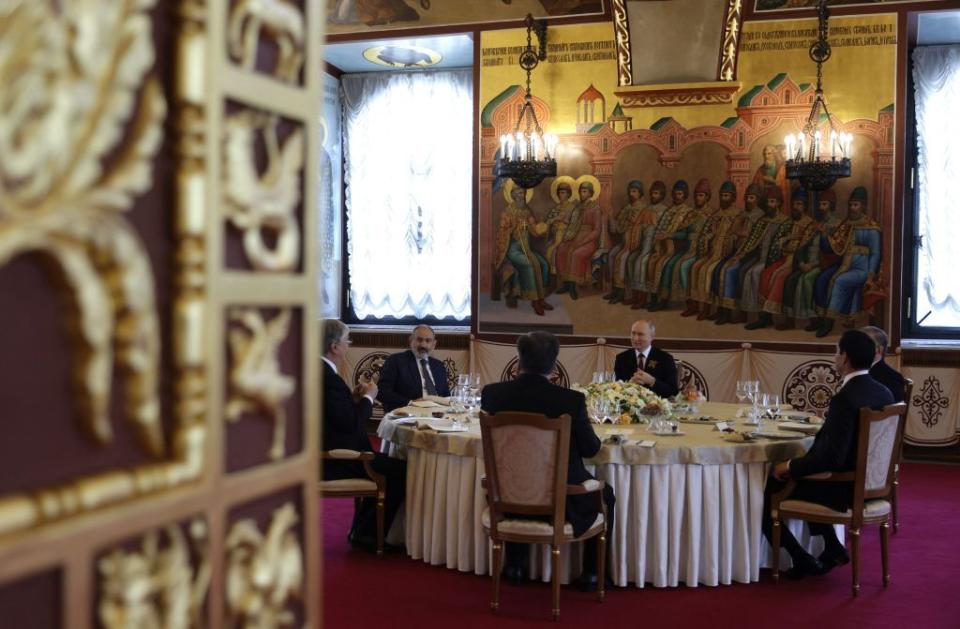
{"x": 525, "y": 458}
{"x": 907, "y": 391}
{"x": 878, "y": 450}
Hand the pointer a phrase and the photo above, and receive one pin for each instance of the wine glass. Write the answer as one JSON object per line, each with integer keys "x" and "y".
{"x": 597, "y": 377}
{"x": 463, "y": 379}
{"x": 775, "y": 408}
{"x": 742, "y": 387}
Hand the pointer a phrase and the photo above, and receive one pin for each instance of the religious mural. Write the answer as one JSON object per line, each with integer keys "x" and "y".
{"x": 350, "y": 16}
{"x": 683, "y": 214}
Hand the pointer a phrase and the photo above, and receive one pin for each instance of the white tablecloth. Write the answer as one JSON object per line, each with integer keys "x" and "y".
{"x": 676, "y": 522}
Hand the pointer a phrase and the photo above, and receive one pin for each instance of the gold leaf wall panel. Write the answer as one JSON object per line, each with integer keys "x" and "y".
{"x": 126, "y": 128}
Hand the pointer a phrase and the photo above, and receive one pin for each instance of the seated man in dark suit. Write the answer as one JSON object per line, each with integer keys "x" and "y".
{"x": 532, "y": 392}
{"x": 880, "y": 370}
{"x": 647, "y": 365}
{"x": 413, "y": 374}
{"x": 345, "y": 414}
{"x": 834, "y": 450}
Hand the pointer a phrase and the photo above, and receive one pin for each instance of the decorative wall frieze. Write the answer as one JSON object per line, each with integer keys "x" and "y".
{"x": 621, "y": 35}
{"x": 731, "y": 37}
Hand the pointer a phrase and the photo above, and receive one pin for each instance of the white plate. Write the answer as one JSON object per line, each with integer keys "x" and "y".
{"x": 669, "y": 433}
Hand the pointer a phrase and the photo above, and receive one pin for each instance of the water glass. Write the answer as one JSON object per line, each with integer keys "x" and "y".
{"x": 463, "y": 379}
{"x": 775, "y": 408}
{"x": 597, "y": 377}
{"x": 606, "y": 411}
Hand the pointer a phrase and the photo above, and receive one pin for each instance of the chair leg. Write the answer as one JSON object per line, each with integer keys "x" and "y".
{"x": 380, "y": 532}
{"x": 885, "y": 551}
{"x": 555, "y": 556}
{"x": 497, "y": 567}
{"x": 893, "y": 497}
{"x": 602, "y": 564}
{"x": 775, "y": 542}
{"x": 855, "y": 559}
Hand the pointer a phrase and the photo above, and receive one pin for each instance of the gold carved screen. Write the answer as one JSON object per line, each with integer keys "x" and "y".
{"x": 158, "y": 171}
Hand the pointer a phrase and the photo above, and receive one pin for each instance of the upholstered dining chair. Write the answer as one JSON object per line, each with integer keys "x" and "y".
{"x": 375, "y": 486}
{"x": 895, "y": 492}
{"x": 878, "y": 446}
{"x": 525, "y": 458}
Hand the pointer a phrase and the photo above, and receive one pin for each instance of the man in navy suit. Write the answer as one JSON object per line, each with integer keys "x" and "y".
{"x": 880, "y": 370}
{"x": 834, "y": 450}
{"x": 413, "y": 374}
{"x": 646, "y": 365}
{"x": 532, "y": 392}
{"x": 345, "y": 414}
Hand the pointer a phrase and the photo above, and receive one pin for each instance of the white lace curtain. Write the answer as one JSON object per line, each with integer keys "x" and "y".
{"x": 936, "y": 76}
{"x": 408, "y": 150}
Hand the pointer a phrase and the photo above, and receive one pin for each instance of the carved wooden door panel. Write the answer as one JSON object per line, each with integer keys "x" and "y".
{"x": 158, "y": 393}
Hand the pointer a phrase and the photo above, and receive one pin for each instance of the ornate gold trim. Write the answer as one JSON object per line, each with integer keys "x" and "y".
{"x": 278, "y": 19}
{"x": 679, "y": 94}
{"x": 731, "y": 36}
{"x": 67, "y": 204}
{"x": 154, "y": 587}
{"x": 256, "y": 384}
{"x": 264, "y": 572}
{"x": 621, "y": 32}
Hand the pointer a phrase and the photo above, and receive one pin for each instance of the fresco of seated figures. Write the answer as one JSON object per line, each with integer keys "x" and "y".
{"x": 684, "y": 214}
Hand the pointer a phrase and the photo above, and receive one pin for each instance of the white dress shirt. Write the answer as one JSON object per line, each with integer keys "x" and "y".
{"x": 853, "y": 374}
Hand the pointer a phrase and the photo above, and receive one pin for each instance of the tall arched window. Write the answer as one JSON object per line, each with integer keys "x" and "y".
{"x": 408, "y": 140}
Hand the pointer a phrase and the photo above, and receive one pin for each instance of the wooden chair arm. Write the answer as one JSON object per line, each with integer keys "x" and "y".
{"x": 590, "y": 486}
{"x": 343, "y": 454}
{"x": 831, "y": 477}
{"x": 586, "y": 487}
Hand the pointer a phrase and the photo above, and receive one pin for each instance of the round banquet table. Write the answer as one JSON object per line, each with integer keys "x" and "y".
{"x": 688, "y": 509}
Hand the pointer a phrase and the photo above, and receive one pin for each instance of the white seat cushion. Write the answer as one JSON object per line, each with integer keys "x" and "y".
{"x": 348, "y": 484}
{"x": 871, "y": 509}
{"x": 519, "y": 526}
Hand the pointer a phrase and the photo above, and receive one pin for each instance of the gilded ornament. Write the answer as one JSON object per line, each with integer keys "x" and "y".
{"x": 256, "y": 384}
{"x": 72, "y": 95}
{"x": 264, "y": 572}
{"x": 278, "y": 19}
{"x": 155, "y": 587}
{"x": 255, "y": 202}
{"x": 80, "y": 123}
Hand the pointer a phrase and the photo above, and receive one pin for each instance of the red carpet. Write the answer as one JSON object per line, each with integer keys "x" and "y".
{"x": 361, "y": 591}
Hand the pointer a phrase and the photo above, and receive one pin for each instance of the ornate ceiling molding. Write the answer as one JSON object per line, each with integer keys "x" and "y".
{"x": 678, "y": 94}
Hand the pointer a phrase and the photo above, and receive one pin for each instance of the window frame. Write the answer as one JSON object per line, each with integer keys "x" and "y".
{"x": 910, "y": 328}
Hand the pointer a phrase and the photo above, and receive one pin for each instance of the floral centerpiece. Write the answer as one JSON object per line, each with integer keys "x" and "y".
{"x": 630, "y": 403}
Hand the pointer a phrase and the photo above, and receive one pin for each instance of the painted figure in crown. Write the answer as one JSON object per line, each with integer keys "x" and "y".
{"x": 523, "y": 272}
{"x": 558, "y": 218}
